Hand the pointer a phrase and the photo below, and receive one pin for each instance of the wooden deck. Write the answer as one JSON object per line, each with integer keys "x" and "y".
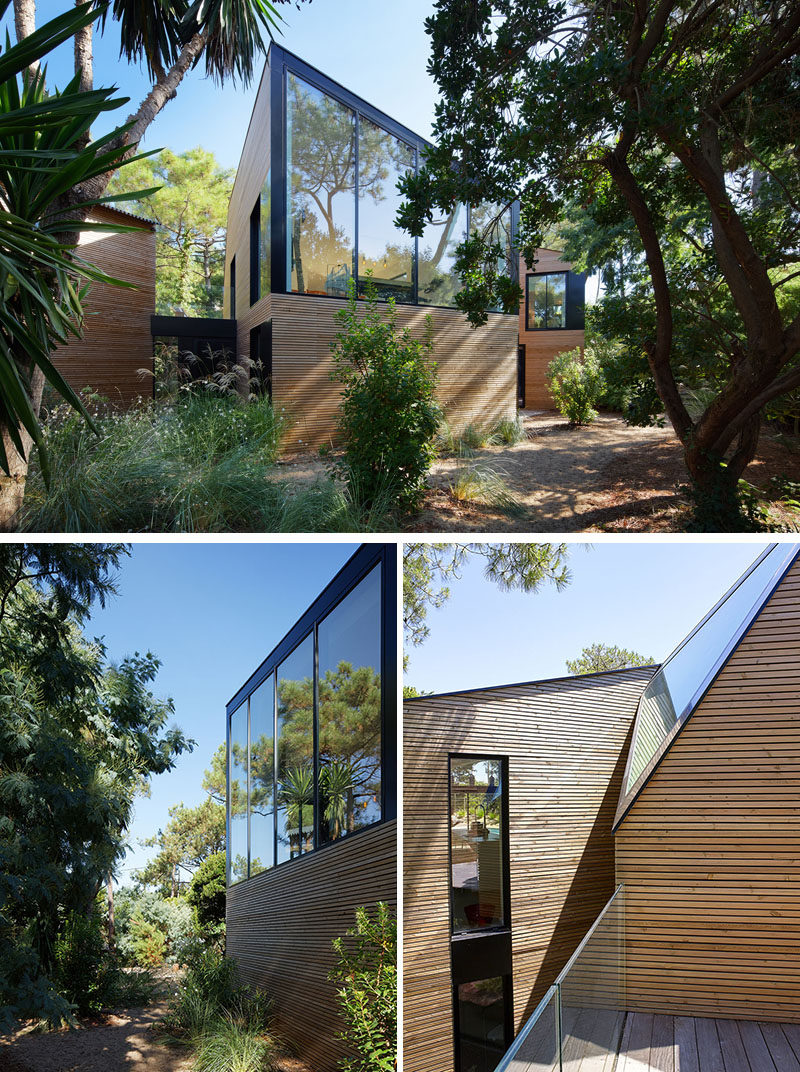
{"x": 695, "y": 1044}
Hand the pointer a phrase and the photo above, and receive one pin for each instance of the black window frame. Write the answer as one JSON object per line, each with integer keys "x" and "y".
{"x": 504, "y": 849}
{"x": 365, "y": 559}
{"x": 232, "y": 310}
{"x": 544, "y": 275}
{"x": 255, "y": 252}
{"x": 281, "y": 63}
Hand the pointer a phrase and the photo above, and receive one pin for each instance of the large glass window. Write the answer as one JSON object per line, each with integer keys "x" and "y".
{"x": 494, "y": 222}
{"x": 295, "y": 811}
{"x": 383, "y": 249}
{"x": 477, "y": 843}
{"x": 481, "y": 1024}
{"x": 262, "y": 799}
{"x": 238, "y": 794}
{"x": 546, "y": 301}
{"x": 266, "y": 240}
{"x": 350, "y": 712}
{"x": 438, "y": 282}
{"x": 320, "y": 136}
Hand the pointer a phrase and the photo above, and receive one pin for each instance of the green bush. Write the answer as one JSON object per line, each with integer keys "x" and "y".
{"x": 148, "y": 942}
{"x": 366, "y": 971}
{"x": 507, "y": 432}
{"x": 575, "y": 385}
{"x": 389, "y": 414}
{"x": 234, "y": 1047}
{"x": 207, "y": 894}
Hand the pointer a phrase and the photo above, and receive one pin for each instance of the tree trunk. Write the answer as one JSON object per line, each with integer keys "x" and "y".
{"x": 110, "y": 894}
{"x": 715, "y": 480}
{"x": 24, "y": 25}
{"x": 12, "y": 486}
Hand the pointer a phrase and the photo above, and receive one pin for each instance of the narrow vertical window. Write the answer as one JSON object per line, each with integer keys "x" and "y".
{"x": 262, "y": 796}
{"x": 350, "y": 712}
{"x": 233, "y": 287}
{"x": 481, "y": 1024}
{"x": 255, "y": 253}
{"x": 237, "y": 796}
{"x": 478, "y": 848}
{"x": 295, "y": 811}
{"x": 265, "y": 236}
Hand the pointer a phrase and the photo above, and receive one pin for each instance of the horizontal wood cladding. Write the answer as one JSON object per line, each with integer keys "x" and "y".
{"x": 542, "y": 346}
{"x": 250, "y": 176}
{"x": 281, "y": 923}
{"x": 477, "y": 367}
{"x": 710, "y": 853}
{"x": 116, "y": 340}
{"x": 566, "y": 746}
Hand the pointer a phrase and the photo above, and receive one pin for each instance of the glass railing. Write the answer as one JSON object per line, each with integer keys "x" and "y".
{"x": 678, "y": 686}
{"x": 582, "y": 1014}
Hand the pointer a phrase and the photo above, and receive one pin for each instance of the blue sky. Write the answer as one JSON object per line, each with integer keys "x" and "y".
{"x": 376, "y": 50}
{"x": 211, "y": 612}
{"x": 644, "y": 596}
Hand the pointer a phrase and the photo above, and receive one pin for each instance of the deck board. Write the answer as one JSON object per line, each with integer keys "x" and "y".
{"x": 703, "y": 1044}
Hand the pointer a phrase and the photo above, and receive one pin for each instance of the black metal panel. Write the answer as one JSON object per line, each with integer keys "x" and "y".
{"x": 233, "y": 288}
{"x": 576, "y": 301}
{"x": 521, "y": 375}
{"x": 480, "y": 956}
{"x": 194, "y": 327}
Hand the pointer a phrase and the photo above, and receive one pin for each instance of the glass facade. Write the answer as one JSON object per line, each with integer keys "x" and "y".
{"x": 284, "y": 799}
{"x": 546, "y": 301}
{"x": 321, "y": 189}
{"x": 383, "y": 250}
{"x": 350, "y": 712}
{"x": 295, "y": 811}
{"x": 668, "y": 698}
{"x": 481, "y": 1024}
{"x": 477, "y": 843}
{"x": 340, "y": 164}
{"x": 262, "y": 777}
{"x": 237, "y": 796}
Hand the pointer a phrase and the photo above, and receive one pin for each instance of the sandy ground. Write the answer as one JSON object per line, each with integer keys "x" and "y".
{"x": 125, "y": 1040}
{"x": 607, "y": 477}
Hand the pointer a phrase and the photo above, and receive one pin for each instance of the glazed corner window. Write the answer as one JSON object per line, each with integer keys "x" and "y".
{"x": 350, "y": 712}
{"x": 237, "y": 797}
{"x": 255, "y": 252}
{"x": 546, "y": 301}
{"x": 477, "y": 843}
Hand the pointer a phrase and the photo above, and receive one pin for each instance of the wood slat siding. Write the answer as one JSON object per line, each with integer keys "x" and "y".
{"x": 710, "y": 852}
{"x": 280, "y": 925}
{"x": 116, "y": 341}
{"x": 542, "y": 346}
{"x": 477, "y": 367}
{"x": 566, "y": 747}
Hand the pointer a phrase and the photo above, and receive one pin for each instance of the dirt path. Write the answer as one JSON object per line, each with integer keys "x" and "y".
{"x": 123, "y": 1040}
{"x": 607, "y": 477}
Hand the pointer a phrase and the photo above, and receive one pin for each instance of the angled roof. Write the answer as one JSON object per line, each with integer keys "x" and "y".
{"x": 675, "y": 691}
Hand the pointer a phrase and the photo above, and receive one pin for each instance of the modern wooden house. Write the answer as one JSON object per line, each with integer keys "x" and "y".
{"x": 313, "y": 209}
{"x": 117, "y": 342}
{"x": 551, "y": 319}
{"x": 312, "y": 798}
{"x": 695, "y": 961}
{"x": 509, "y": 799}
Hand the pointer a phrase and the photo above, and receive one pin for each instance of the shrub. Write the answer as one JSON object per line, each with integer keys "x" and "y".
{"x": 81, "y": 962}
{"x": 366, "y": 971}
{"x": 207, "y": 894}
{"x": 507, "y": 432}
{"x": 148, "y": 942}
{"x": 575, "y": 385}
{"x": 473, "y": 437}
{"x": 389, "y": 415}
{"x": 234, "y": 1047}
{"x": 483, "y": 484}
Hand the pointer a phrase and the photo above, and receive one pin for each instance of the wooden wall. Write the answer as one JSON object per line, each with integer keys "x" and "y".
{"x": 710, "y": 852}
{"x": 280, "y": 925}
{"x": 116, "y": 341}
{"x": 477, "y": 367}
{"x": 566, "y": 742}
{"x": 542, "y": 346}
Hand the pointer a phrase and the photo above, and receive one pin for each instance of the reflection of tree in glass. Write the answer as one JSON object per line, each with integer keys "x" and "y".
{"x": 297, "y": 794}
{"x": 238, "y": 794}
{"x": 349, "y": 748}
{"x": 322, "y": 166}
{"x": 295, "y": 763}
{"x": 261, "y": 775}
